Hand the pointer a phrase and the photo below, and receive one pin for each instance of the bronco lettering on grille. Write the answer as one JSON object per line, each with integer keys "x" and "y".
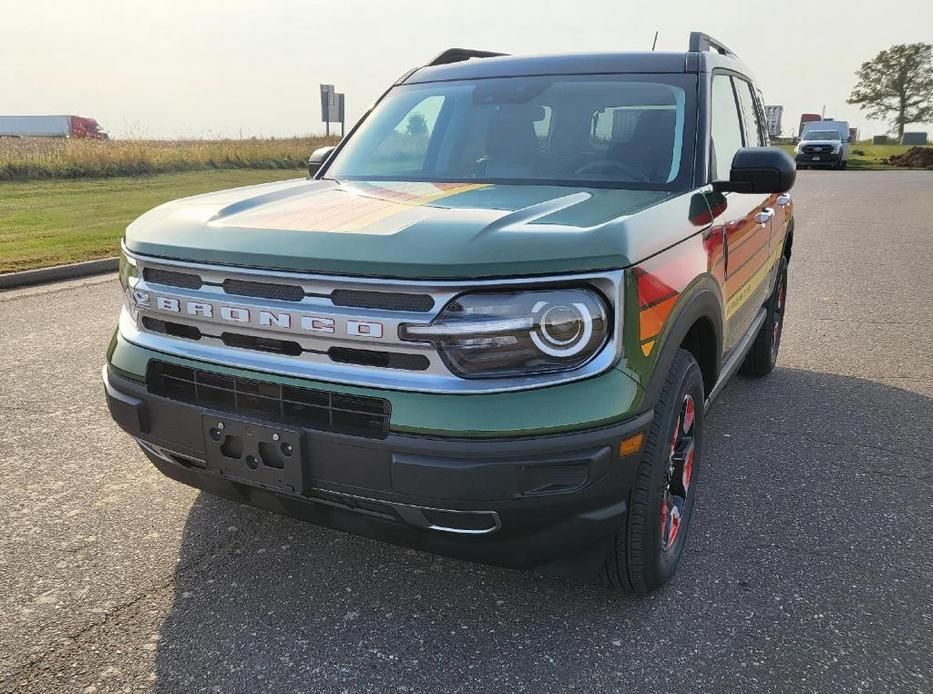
{"x": 272, "y": 320}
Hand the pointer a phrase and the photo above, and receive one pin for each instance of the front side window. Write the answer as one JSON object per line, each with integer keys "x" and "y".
{"x": 725, "y": 128}
{"x": 753, "y": 129}
{"x": 602, "y": 130}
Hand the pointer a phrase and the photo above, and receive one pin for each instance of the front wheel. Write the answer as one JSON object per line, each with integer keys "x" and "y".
{"x": 762, "y": 357}
{"x": 648, "y": 547}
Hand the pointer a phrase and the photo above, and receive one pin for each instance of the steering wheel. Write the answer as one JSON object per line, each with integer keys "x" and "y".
{"x": 613, "y": 166}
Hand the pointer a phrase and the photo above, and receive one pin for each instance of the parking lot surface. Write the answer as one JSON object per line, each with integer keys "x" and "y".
{"x": 809, "y": 566}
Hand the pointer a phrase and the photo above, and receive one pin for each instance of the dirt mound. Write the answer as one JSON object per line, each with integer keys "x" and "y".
{"x": 915, "y": 157}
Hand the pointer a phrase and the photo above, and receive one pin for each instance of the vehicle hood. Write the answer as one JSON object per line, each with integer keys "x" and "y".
{"x": 399, "y": 229}
{"x": 820, "y": 143}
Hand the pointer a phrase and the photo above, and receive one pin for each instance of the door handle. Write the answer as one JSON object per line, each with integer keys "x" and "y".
{"x": 765, "y": 215}
{"x": 783, "y": 199}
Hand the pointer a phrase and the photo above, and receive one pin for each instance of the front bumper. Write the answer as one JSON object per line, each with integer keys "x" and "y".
{"x": 551, "y": 501}
{"x": 821, "y": 159}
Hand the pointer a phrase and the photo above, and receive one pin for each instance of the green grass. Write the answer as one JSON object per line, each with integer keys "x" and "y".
{"x": 863, "y": 155}
{"x": 46, "y": 223}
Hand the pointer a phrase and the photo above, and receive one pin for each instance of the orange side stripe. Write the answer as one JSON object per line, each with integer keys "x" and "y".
{"x": 651, "y": 320}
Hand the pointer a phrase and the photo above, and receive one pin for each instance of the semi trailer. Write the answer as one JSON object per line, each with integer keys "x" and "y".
{"x": 51, "y": 126}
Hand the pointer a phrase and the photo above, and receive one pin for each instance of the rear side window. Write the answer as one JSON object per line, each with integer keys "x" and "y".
{"x": 753, "y": 129}
{"x": 725, "y": 128}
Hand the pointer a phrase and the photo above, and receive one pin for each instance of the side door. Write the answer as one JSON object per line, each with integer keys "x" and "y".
{"x": 756, "y": 134}
{"x": 746, "y": 221}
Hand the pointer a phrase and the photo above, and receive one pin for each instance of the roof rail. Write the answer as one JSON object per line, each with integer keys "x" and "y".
{"x": 457, "y": 55}
{"x": 700, "y": 42}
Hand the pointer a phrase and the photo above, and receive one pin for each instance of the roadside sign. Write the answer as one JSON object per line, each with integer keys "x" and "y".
{"x": 332, "y": 108}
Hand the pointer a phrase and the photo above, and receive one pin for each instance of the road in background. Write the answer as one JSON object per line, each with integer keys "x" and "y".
{"x": 809, "y": 566}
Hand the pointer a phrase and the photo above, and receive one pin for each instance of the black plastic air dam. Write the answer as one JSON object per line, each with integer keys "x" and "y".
{"x": 544, "y": 518}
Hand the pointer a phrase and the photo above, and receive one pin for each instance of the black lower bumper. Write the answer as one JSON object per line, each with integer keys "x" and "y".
{"x": 818, "y": 159}
{"x": 553, "y": 502}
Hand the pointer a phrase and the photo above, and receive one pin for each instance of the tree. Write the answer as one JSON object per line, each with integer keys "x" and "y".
{"x": 897, "y": 85}
{"x": 417, "y": 126}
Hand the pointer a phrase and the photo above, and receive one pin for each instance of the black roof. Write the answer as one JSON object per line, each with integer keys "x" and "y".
{"x": 458, "y": 63}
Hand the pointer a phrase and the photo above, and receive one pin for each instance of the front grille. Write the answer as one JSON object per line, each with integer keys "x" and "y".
{"x": 388, "y": 301}
{"x": 261, "y": 344}
{"x": 321, "y": 410}
{"x": 264, "y": 290}
{"x": 817, "y": 149}
{"x": 188, "y": 332}
{"x": 172, "y": 279}
{"x": 384, "y": 360}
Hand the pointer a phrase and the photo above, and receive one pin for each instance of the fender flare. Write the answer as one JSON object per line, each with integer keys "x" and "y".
{"x": 702, "y": 301}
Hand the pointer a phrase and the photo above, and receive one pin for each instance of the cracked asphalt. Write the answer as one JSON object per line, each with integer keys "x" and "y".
{"x": 809, "y": 566}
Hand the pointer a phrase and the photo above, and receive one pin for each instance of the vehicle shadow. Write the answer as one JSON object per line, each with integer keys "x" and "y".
{"x": 266, "y": 603}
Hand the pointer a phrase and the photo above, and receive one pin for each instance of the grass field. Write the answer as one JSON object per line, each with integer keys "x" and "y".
{"x": 863, "y": 155}
{"x": 28, "y": 159}
{"x": 45, "y": 223}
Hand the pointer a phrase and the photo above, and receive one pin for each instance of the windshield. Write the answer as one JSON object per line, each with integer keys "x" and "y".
{"x": 821, "y": 135}
{"x": 628, "y": 131}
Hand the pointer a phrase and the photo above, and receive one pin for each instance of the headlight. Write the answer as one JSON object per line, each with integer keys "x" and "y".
{"x": 836, "y": 149}
{"x": 129, "y": 276}
{"x": 127, "y": 272}
{"x": 497, "y": 334}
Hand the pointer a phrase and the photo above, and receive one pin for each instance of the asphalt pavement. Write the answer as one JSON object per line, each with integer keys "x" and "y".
{"x": 809, "y": 567}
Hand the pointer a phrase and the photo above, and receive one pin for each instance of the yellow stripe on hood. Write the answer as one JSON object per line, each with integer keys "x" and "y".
{"x": 395, "y": 207}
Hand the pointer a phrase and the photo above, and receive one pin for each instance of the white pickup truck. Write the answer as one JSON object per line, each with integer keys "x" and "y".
{"x": 824, "y": 143}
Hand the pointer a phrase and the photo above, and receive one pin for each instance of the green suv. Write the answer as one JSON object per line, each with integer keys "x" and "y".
{"x": 488, "y": 324}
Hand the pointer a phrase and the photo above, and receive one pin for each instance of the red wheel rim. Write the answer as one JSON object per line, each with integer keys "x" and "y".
{"x": 777, "y": 315}
{"x": 679, "y": 474}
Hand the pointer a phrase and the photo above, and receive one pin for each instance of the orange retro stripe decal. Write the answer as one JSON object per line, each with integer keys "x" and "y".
{"x": 655, "y": 301}
{"x": 357, "y": 207}
{"x": 659, "y": 282}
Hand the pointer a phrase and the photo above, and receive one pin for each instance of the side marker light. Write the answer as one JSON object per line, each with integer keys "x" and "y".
{"x": 631, "y": 445}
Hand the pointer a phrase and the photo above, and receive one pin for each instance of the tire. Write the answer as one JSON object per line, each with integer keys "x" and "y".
{"x": 762, "y": 357}
{"x": 648, "y": 547}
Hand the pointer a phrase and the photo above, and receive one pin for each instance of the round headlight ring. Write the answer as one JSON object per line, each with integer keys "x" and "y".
{"x": 555, "y": 346}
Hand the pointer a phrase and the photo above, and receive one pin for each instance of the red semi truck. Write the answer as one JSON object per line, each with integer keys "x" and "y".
{"x": 51, "y": 126}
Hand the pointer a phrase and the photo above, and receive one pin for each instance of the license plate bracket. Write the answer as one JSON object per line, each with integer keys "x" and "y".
{"x": 816, "y": 158}
{"x": 268, "y": 456}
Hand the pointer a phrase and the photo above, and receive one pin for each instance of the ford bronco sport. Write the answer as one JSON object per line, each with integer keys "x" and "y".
{"x": 489, "y": 323}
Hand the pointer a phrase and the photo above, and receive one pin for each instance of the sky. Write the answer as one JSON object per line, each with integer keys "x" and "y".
{"x": 231, "y": 68}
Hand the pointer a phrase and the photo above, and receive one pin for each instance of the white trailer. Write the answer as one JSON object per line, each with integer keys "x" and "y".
{"x": 35, "y": 126}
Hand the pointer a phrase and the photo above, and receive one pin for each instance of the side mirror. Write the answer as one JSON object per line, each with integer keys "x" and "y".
{"x": 759, "y": 170}
{"x": 317, "y": 159}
